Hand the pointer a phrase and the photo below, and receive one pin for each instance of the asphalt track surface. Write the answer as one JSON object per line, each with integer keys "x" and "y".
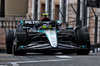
{"x": 34, "y": 59}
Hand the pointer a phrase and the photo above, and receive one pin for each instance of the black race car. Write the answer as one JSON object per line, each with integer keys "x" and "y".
{"x": 46, "y": 37}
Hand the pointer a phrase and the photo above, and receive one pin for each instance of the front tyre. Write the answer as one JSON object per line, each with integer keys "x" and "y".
{"x": 82, "y": 36}
{"x": 9, "y": 40}
{"x": 21, "y": 35}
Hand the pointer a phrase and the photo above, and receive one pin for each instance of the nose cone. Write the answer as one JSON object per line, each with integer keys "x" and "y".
{"x": 52, "y": 37}
{"x": 53, "y": 41}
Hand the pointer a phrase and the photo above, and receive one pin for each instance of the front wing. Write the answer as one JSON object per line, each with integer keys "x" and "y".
{"x": 46, "y": 47}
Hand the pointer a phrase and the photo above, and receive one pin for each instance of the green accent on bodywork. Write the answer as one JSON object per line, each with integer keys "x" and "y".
{"x": 50, "y": 26}
{"x": 44, "y": 27}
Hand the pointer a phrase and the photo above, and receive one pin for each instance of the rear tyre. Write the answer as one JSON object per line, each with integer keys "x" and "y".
{"x": 20, "y": 39}
{"x": 9, "y": 40}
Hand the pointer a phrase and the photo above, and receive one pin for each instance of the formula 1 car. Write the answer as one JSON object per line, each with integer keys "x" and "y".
{"x": 46, "y": 37}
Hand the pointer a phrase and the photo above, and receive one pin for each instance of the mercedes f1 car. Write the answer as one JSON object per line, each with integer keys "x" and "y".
{"x": 47, "y": 37}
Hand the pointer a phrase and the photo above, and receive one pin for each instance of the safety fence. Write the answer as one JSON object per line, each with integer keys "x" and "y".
{"x": 10, "y": 23}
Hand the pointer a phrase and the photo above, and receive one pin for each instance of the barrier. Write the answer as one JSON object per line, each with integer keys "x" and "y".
{"x": 7, "y": 23}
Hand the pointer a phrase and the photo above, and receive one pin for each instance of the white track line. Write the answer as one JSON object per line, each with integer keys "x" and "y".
{"x": 54, "y": 60}
{"x": 3, "y": 65}
{"x": 64, "y": 57}
{"x": 14, "y": 64}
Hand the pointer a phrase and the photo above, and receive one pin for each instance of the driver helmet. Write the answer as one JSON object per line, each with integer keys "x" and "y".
{"x": 45, "y": 26}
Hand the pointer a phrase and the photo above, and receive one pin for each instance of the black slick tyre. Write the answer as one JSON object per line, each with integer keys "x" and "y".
{"x": 9, "y": 40}
{"x": 21, "y": 35}
{"x": 82, "y": 36}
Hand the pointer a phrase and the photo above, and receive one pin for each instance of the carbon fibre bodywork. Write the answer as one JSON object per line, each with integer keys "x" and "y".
{"x": 31, "y": 36}
{"x": 39, "y": 42}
